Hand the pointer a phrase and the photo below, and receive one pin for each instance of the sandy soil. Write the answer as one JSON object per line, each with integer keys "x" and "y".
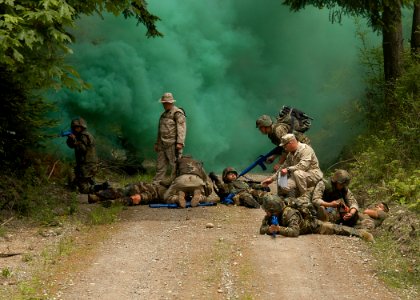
{"x": 195, "y": 253}
{"x": 172, "y": 254}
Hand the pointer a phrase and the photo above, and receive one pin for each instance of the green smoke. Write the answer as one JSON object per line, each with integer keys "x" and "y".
{"x": 226, "y": 62}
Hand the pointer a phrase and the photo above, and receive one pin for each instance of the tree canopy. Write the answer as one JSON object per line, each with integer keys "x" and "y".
{"x": 34, "y": 42}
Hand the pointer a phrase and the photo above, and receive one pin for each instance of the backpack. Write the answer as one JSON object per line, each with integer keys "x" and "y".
{"x": 297, "y": 119}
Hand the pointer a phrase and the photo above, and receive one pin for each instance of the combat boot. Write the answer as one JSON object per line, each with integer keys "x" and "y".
{"x": 92, "y": 198}
{"x": 196, "y": 198}
{"x": 181, "y": 199}
{"x": 366, "y": 236}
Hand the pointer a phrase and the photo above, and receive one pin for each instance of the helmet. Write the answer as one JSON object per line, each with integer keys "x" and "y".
{"x": 341, "y": 176}
{"x": 78, "y": 122}
{"x": 273, "y": 203}
{"x": 227, "y": 171}
{"x": 264, "y": 120}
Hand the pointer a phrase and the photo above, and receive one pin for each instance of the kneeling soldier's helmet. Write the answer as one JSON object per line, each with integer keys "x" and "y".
{"x": 273, "y": 204}
{"x": 227, "y": 171}
{"x": 264, "y": 120}
{"x": 341, "y": 176}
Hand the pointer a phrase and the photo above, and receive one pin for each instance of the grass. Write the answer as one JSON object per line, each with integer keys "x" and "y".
{"x": 6, "y": 272}
{"x": 100, "y": 215}
{"x": 395, "y": 268}
{"x": 3, "y": 231}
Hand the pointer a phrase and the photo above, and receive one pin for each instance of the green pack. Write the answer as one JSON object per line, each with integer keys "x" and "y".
{"x": 295, "y": 118}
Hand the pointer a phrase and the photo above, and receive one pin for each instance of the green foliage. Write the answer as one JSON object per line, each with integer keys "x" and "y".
{"x": 34, "y": 42}
{"x": 6, "y": 272}
{"x": 32, "y": 195}
{"x": 393, "y": 266}
{"x": 100, "y": 215}
{"x": 2, "y": 231}
{"x": 406, "y": 190}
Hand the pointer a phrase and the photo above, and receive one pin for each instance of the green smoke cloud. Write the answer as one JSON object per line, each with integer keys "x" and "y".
{"x": 226, "y": 62}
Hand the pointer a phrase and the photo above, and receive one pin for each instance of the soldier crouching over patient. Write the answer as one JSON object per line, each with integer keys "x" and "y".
{"x": 289, "y": 222}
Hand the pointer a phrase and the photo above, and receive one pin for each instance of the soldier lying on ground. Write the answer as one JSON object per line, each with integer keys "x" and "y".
{"x": 191, "y": 181}
{"x": 290, "y": 223}
{"x": 132, "y": 194}
{"x": 247, "y": 194}
{"x": 373, "y": 217}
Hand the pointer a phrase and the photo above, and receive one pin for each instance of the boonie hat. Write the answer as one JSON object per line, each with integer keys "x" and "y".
{"x": 167, "y": 98}
{"x": 286, "y": 138}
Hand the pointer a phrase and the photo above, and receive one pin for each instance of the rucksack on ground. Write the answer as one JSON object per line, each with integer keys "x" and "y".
{"x": 297, "y": 119}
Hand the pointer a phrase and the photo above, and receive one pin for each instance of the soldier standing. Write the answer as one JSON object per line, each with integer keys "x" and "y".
{"x": 171, "y": 137}
{"x": 83, "y": 144}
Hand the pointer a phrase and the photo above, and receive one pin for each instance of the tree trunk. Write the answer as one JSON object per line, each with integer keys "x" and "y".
{"x": 392, "y": 47}
{"x": 415, "y": 30}
{"x": 392, "y": 42}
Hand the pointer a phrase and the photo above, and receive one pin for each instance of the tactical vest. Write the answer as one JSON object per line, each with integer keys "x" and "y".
{"x": 276, "y": 140}
{"x": 167, "y": 125}
{"x": 331, "y": 193}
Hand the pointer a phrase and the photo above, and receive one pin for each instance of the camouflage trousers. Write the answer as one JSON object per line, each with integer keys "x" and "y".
{"x": 332, "y": 214}
{"x": 328, "y": 228}
{"x": 166, "y": 161}
{"x": 298, "y": 183}
{"x": 149, "y": 192}
{"x": 189, "y": 184}
{"x": 250, "y": 198}
{"x": 84, "y": 177}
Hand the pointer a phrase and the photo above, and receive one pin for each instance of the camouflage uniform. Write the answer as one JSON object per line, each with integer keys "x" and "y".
{"x": 150, "y": 192}
{"x": 191, "y": 180}
{"x": 327, "y": 191}
{"x": 246, "y": 194}
{"x": 278, "y": 130}
{"x": 292, "y": 224}
{"x": 303, "y": 170}
{"x": 83, "y": 144}
{"x": 370, "y": 223}
{"x": 172, "y": 131}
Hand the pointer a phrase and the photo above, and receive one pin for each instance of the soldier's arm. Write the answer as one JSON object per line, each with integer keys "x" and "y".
{"x": 264, "y": 226}
{"x": 181, "y": 128}
{"x": 291, "y": 228}
{"x": 318, "y": 194}
{"x": 71, "y": 142}
{"x": 304, "y": 162}
{"x": 351, "y": 202}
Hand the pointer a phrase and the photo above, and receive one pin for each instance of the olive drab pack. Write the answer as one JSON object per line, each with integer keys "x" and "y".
{"x": 187, "y": 165}
{"x": 297, "y": 119}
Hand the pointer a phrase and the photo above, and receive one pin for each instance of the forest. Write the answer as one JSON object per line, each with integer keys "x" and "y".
{"x": 37, "y": 61}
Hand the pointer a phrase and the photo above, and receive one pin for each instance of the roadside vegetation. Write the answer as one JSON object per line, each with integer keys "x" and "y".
{"x": 384, "y": 164}
{"x": 383, "y": 161}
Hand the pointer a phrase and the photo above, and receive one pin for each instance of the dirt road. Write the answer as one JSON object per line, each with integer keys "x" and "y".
{"x": 176, "y": 254}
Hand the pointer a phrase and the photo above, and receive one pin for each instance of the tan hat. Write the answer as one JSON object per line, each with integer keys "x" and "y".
{"x": 167, "y": 98}
{"x": 286, "y": 138}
